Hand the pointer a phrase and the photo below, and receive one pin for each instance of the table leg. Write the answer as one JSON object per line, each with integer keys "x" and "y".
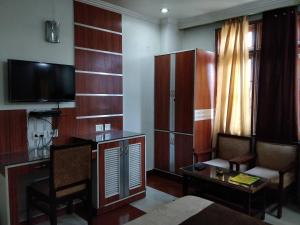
{"x": 249, "y": 204}
{"x": 263, "y": 204}
{"x": 185, "y": 185}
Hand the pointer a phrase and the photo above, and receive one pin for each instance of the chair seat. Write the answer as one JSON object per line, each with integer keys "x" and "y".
{"x": 272, "y": 176}
{"x": 224, "y": 164}
{"x": 42, "y": 186}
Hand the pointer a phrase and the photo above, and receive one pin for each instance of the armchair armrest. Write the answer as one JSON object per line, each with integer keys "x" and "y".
{"x": 288, "y": 168}
{"x": 283, "y": 171}
{"x": 237, "y": 161}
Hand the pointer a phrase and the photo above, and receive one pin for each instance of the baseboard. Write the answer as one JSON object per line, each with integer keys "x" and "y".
{"x": 164, "y": 174}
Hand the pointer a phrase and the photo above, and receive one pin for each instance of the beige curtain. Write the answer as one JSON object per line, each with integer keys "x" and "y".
{"x": 233, "y": 104}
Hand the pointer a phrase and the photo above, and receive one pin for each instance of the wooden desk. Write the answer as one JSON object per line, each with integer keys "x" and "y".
{"x": 17, "y": 170}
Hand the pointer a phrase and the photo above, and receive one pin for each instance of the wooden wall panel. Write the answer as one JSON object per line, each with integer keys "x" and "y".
{"x": 96, "y": 39}
{"x": 98, "y": 84}
{"x": 97, "y": 17}
{"x": 162, "y": 150}
{"x": 97, "y": 62}
{"x": 184, "y": 94}
{"x": 97, "y": 30}
{"x": 13, "y": 131}
{"x": 88, "y": 126}
{"x": 90, "y": 105}
{"x": 162, "y": 92}
{"x": 4, "y": 132}
{"x": 66, "y": 125}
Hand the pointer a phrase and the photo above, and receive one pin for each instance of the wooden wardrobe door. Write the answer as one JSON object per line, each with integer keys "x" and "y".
{"x": 184, "y": 92}
{"x": 162, "y": 150}
{"x": 183, "y": 151}
{"x": 162, "y": 92}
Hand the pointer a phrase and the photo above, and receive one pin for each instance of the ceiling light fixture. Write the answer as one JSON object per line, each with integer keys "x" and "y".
{"x": 164, "y": 10}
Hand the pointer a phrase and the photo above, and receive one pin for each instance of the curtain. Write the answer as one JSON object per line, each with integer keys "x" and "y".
{"x": 276, "y": 110}
{"x": 233, "y": 103}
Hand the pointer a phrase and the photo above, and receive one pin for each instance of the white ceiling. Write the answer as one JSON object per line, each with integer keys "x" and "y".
{"x": 178, "y": 9}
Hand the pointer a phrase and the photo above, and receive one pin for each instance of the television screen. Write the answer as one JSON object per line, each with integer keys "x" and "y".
{"x": 40, "y": 82}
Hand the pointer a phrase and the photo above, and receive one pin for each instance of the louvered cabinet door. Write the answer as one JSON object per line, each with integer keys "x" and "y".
{"x": 136, "y": 165}
{"x": 109, "y": 171}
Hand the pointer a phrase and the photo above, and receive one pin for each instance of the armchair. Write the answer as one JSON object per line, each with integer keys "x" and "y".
{"x": 231, "y": 147}
{"x": 276, "y": 162}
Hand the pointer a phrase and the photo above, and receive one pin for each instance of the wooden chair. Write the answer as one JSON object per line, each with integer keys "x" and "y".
{"x": 276, "y": 162}
{"x": 70, "y": 179}
{"x": 230, "y": 147}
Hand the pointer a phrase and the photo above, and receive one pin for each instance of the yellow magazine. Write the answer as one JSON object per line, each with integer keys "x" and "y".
{"x": 244, "y": 179}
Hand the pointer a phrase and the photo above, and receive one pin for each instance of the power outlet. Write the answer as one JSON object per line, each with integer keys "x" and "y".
{"x": 38, "y": 135}
{"x": 107, "y": 127}
{"x": 35, "y": 135}
{"x": 99, "y": 127}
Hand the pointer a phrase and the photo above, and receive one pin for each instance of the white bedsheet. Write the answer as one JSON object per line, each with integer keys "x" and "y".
{"x": 173, "y": 213}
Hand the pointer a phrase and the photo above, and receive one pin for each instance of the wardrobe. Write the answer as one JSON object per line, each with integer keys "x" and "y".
{"x": 184, "y": 108}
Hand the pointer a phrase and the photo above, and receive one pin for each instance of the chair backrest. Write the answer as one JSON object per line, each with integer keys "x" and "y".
{"x": 231, "y": 146}
{"x": 70, "y": 166}
{"x": 273, "y": 155}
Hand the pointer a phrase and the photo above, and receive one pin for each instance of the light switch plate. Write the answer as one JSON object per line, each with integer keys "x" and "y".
{"x": 107, "y": 126}
{"x": 99, "y": 127}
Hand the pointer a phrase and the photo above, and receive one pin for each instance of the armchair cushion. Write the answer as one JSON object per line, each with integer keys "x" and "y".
{"x": 275, "y": 156}
{"x": 272, "y": 176}
{"x": 224, "y": 164}
{"x": 230, "y": 147}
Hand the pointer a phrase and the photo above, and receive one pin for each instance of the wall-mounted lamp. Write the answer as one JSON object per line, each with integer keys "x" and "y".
{"x": 52, "y": 31}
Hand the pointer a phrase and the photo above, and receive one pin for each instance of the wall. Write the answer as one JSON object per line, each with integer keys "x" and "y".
{"x": 170, "y": 36}
{"x": 141, "y": 41}
{"x": 202, "y": 37}
{"x": 22, "y": 37}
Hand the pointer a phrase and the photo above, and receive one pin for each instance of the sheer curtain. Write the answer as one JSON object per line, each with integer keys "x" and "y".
{"x": 233, "y": 103}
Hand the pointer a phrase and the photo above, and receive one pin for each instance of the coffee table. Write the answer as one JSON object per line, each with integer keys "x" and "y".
{"x": 216, "y": 186}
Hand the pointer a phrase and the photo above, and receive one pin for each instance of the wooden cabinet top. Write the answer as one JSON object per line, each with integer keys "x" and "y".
{"x": 26, "y": 157}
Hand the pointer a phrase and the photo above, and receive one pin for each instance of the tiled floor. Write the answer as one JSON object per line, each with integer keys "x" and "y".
{"x": 154, "y": 198}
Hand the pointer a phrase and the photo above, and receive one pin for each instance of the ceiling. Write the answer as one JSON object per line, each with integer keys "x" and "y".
{"x": 178, "y": 9}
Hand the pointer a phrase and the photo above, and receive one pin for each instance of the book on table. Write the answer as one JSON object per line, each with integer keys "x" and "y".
{"x": 244, "y": 179}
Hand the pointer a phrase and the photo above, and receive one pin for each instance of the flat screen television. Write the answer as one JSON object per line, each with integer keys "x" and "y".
{"x": 40, "y": 82}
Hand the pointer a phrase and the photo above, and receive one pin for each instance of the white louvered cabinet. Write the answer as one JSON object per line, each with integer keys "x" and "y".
{"x": 121, "y": 172}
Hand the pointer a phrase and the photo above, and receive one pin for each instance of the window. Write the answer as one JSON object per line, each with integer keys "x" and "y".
{"x": 254, "y": 44}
